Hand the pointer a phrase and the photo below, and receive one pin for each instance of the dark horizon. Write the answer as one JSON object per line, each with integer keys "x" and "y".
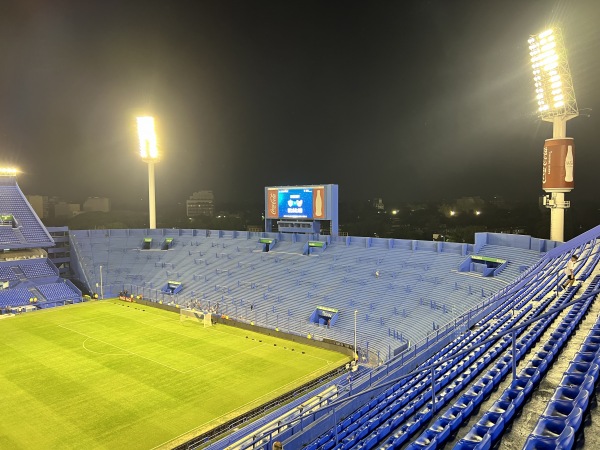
{"x": 408, "y": 101}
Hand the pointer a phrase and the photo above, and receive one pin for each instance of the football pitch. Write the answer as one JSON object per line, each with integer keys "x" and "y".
{"x": 111, "y": 374}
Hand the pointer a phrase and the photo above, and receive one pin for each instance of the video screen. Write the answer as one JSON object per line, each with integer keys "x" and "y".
{"x": 296, "y": 203}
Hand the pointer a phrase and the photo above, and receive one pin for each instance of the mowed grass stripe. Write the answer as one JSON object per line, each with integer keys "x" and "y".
{"x": 102, "y": 375}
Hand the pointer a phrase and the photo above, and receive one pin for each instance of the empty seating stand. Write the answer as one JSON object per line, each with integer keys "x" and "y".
{"x": 486, "y": 431}
{"x": 562, "y": 419}
{"x": 58, "y": 291}
{"x": 14, "y": 297}
{"x": 392, "y": 418}
{"x": 417, "y": 292}
{"x": 38, "y": 269}
{"x": 13, "y": 202}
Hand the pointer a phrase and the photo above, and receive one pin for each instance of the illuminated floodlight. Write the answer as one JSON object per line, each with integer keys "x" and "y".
{"x": 149, "y": 154}
{"x": 8, "y": 171}
{"x": 147, "y": 135}
{"x": 554, "y": 91}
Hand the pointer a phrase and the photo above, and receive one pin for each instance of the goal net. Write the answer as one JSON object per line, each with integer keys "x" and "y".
{"x": 192, "y": 315}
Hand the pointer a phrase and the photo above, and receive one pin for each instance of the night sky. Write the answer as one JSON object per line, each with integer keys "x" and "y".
{"x": 405, "y": 100}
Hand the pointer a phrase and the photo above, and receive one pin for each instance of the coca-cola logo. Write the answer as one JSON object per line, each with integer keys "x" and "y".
{"x": 544, "y": 164}
{"x": 272, "y": 203}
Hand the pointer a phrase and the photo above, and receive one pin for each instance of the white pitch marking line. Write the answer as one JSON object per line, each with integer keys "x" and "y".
{"x": 100, "y": 353}
{"x": 122, "y": 349}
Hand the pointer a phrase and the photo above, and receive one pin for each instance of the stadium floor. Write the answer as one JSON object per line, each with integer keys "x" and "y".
{"x": 111, "y": 374}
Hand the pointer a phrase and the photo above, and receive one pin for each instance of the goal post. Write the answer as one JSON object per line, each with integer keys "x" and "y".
{"x": 192, "y": 315}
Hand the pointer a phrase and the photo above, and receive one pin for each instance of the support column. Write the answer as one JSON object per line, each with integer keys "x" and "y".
{"x": 557, "y": 217}
{"x": 151, "y": 196}
{"x": 559, "y": 127}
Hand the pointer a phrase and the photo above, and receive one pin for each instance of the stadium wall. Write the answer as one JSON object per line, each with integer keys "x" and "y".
{"x": 481, "y": 239}
{"x": 514, "y": 241}
{"x": 157, "y": 305}
{"x": 331, "y": 345}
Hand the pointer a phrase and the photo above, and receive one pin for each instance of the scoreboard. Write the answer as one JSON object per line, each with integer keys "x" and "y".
{"x": 302, "y": 203}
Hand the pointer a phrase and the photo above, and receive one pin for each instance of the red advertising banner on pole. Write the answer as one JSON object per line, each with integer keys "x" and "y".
{"x": 319, "y": 203}
{"x": 557, "y": 165}
{"x": 272, "y": 203}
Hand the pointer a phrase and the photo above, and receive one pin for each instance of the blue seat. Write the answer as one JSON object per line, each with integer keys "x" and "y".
{"x": 560, "y": 337}
{"x": 348, "y": 445}
{"x": 419, "y": 401}
{"x": 577, "y": 380}
{"x": 505, "y": 408}
{"x": 476, "y": 438}
{"x": 494, "y": 423}
{"x": 398, "y": 439}
{"x": 395, "y": 407}
{"x": 397, "y": 420}
{"x": 362, "y": 432}
{"x": 353, "y": 426}
{"x": 328, "y": 445}
{"x": 425, "y": 441}
{"x": 514, "y": 396}
{"x": 523, "y": 384}
{"x": 551, "y": 433}
{"x": 495, "y": 375}
{"x": 579, "y": 397}
{"x": 448, "y": 392}
{"x": 454, "y": 415}
{"x": 563, "y": 410}
{"x": 538, "y": 363}
{"x": 321, "y": 441}
{"x": 591, "y": 348}
{"x": 476, "y": 394}
{"x": 592, "y": 340}
{"x": 413, "y": 426}
{"x": 503, "y": 367}
{"x": 551, "y": 346}
{"x": 426, "y": 414}
{"x": 486, "y": 383}
{"x": 465, "y": 403}
{"x": 384, "y": 430}
{"x": 385, "y": 414}
{"x": 582, "y": 368}
{"x": 586, "y": 357}
{"x": 370, "y": 443}
{"x": 577, "y": 367}
{"x": 532, "y": 373}
{"x": 441, "y": 428}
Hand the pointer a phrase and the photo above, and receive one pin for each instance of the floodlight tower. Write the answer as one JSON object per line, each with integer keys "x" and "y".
{"x": 149, "y": 154}
{"x": 557, "y": 104}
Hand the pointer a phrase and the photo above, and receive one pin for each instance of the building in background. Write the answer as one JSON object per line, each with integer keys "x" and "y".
{"x": 377, "y": 203}
{"x": 201, "y": 203}
{"x": 96, "y": 204}
{"x": 64, "y": 209}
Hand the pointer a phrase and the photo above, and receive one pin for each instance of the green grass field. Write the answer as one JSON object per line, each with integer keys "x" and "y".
{"x": 116, "y": 375}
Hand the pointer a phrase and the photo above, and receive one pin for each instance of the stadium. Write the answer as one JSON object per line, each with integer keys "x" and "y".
{"x": 224, "y": 339}
{"x": 299, "y": 336}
